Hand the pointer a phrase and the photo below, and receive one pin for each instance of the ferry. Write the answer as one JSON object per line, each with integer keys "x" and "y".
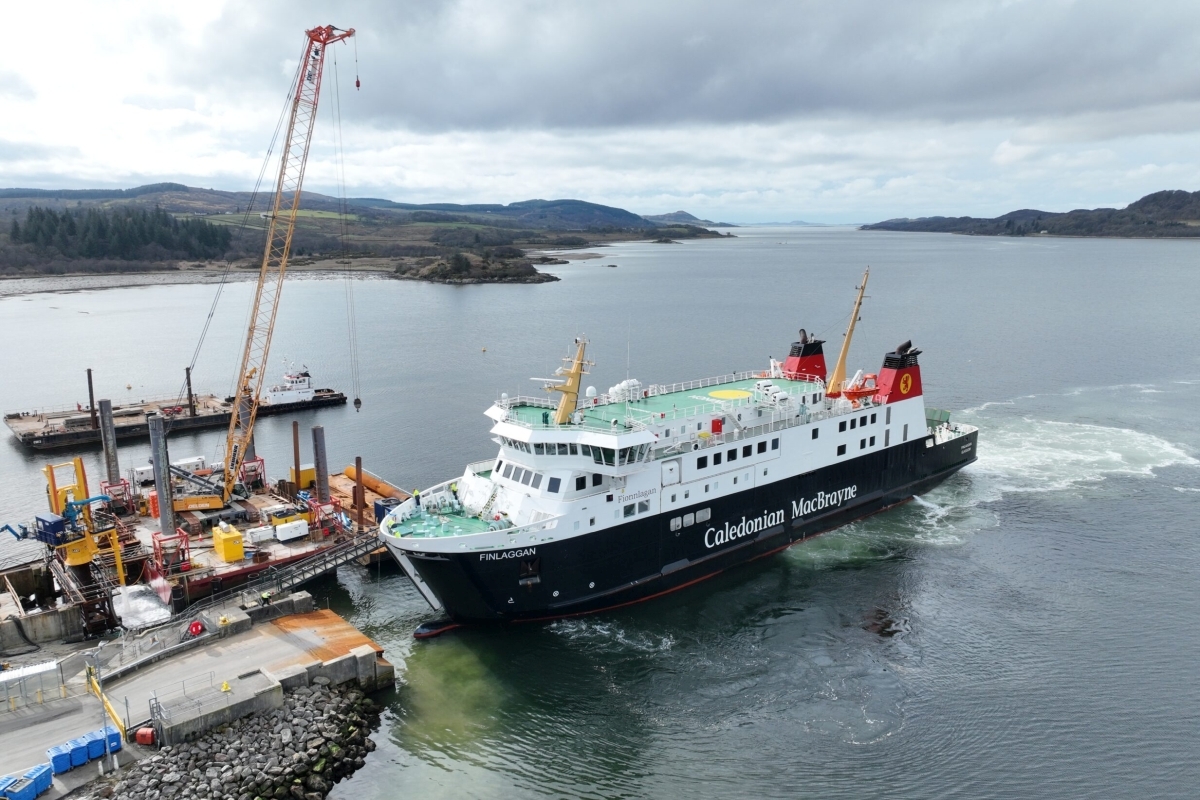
{"x": 598, "y": 501}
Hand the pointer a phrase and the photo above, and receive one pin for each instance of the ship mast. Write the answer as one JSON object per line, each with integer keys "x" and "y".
{"x": 833, "y": 387}
{"x": 569, "y": 387}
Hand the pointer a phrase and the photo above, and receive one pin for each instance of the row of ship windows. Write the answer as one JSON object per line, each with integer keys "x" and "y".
{"x": 527, "y": 477}
{"x": 863, "y": 444}
{"x": 688, "y": 520}
{"x": 860, "y": 422}
{"x": 687, "y": 493}
{"x": 601, "y": 455}
{"x": 731, "y": 455}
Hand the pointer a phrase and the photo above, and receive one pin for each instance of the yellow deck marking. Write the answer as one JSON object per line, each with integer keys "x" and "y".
{"x": 729, "y": 394}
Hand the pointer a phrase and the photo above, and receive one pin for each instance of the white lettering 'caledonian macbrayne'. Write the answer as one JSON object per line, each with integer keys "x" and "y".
{"x": 716, "y": 536}
{"x": 800, "y": 508}
{"x": 823, "y": 500}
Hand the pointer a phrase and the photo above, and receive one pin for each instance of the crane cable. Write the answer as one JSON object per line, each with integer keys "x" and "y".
{"x": 343, "y": 210}
{"x": 229, "y": 264}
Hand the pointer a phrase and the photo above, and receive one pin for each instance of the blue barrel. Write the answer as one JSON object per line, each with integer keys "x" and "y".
{"x": 79, "y": 752}
{"x": 41, "y": 777}
{"x": 114, "y": 739}
{"x": 60, "y": 758}
{"x": 21, "y": 789}
{"x": 95, "y": 744}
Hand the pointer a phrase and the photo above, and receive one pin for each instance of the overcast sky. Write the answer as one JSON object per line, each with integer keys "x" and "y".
{"x": 743, "y": 111}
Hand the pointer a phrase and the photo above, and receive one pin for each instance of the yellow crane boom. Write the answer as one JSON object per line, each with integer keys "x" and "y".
{"x": 281, "y": 224}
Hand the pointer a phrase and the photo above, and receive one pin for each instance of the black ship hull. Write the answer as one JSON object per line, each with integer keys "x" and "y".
{"x": 88, "y": 437}
{"x": 644, "y": 559}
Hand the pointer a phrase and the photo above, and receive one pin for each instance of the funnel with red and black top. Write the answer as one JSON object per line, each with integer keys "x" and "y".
{"x": 806, "y": 359}
{"x": 900, "y": 377}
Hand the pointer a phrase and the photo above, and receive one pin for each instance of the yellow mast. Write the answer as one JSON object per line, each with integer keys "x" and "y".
{"x": 833, "y": 386}
{"x": 570, "y": 385}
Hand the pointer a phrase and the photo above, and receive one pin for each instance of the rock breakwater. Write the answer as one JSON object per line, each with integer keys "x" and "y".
{"x": 318, "y": 737}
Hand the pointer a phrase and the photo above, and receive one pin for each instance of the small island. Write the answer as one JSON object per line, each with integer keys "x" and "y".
{"x": 1167, "y": 214}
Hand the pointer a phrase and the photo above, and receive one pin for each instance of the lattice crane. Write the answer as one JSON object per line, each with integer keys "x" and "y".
{"x": 281, "y": 225}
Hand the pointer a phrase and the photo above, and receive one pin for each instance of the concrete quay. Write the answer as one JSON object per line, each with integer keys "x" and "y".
{"x": 247, "y": 663}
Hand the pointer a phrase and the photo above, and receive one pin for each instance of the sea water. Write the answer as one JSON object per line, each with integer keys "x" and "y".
{"x": 1025, "y": 630}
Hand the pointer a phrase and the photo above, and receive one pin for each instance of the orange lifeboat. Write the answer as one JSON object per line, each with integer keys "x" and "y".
{"x": 860, "y": 388}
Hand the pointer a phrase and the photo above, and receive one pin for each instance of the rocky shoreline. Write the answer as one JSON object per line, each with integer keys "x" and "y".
{"x": 301, "y": 750}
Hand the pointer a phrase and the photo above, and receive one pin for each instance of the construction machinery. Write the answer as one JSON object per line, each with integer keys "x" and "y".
{"x": 241, "y": 464}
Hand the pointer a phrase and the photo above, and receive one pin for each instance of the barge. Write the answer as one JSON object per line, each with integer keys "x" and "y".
{"x": 80, "y": 426}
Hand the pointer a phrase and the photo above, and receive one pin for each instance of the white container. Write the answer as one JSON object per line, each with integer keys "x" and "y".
{"x": 259, "y": 534}
{"x": 193, "y": 465}
{"x": 143, "y": 475}
{"x": 291, "y": 530}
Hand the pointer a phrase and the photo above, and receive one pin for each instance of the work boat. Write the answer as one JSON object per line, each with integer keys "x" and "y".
{"x": 604, "y": 500}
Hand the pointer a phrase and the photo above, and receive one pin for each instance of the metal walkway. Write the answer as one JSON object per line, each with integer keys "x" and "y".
{"x": 283, "y": 579}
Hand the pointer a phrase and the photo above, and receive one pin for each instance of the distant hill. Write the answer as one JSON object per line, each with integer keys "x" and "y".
{"x": 430, "y": 241}
{"x": 1166, "y": 214}
{"x": 683, "y": 217}
{"x": 554, "y": 215}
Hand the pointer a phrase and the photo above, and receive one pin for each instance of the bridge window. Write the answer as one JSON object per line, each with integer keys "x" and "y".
{"x": 508, "y": 471}
{"x": 537, "y": 480}
{"x": 586, "y": 449}
{"x": 527, "y": 477}
{"x": 581, "y": 483}
{"x": 552, "y": 487}
{"x": 562, "y": 448}
{"x": 539, "y": 449}
{"x": 597, "y": 479}
{"x": 574, "y": 450}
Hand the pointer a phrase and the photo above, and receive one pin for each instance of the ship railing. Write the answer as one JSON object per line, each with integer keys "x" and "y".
{"x": 508, "y": 403}
{"x": 480, "y": 467}
{"x": 656, "y": 389}
{"x": 733, "y": 433}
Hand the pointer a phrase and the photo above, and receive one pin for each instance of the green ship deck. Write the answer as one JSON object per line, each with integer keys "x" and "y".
{"x": 431, "y": 526}
{"x": 691, "y": 399}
